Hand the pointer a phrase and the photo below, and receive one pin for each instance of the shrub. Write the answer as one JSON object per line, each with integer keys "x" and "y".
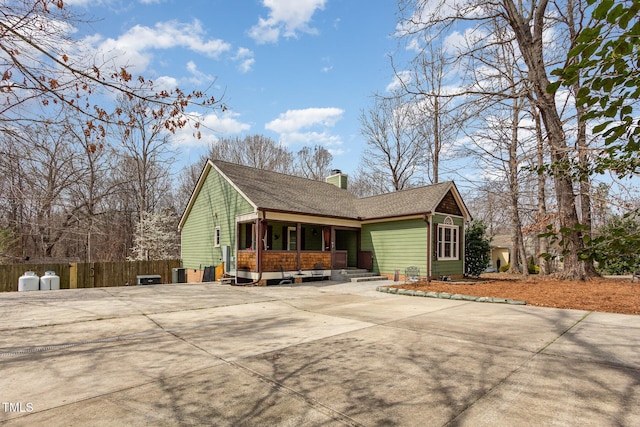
{"x": 477, "y": 248}
{"x": 616, "y": 245}
{"x": 504, "y": 268}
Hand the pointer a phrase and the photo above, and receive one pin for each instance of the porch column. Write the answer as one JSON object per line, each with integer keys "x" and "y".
{"x": 332, "y": 245}
{"x": 258, "y": 246}
{"x": 298, "y": 243}
{"x": 326, "y": 236}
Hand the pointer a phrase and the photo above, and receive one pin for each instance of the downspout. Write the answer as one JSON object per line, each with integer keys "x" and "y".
{"x": 259, "y": 244}
{"x": 425, "y": 217}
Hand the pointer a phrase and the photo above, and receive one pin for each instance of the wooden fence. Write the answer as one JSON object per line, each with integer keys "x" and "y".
{"x": 90, "y": 275}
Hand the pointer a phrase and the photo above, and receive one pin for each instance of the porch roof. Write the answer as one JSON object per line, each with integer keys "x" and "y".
{"x": 285, "y": 193}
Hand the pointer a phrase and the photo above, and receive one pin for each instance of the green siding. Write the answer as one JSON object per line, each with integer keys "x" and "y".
{"x": 396, "y": 245}
{"x": 449, "y": 267}
{"x": 217, "y": 204}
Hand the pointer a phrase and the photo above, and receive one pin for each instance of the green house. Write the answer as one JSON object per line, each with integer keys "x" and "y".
{"x": 260, "y": 224}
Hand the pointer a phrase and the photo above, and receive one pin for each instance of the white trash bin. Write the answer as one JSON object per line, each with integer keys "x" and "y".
{"x": 29, "y": 281}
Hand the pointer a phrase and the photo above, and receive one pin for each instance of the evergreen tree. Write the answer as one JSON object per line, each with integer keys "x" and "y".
{"x": 477, "y": 248}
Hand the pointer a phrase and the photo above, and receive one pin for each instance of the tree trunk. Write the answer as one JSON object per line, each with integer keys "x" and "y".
{"x": 531, "y": 46}
{"x": 543, "y": 242}
{"x": 583, "y": 147}
{"x": 436, "y": 138}
{"x": 514, "y": 189}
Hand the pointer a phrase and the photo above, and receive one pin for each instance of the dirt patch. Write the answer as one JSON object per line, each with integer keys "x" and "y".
{"x": 607, "y": 295}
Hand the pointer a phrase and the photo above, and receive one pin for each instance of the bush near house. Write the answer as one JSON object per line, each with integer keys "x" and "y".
{"x": 477, "y": 248}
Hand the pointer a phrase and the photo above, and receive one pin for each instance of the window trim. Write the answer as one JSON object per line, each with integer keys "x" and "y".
{"x": 216, "y": 237}
{"x": 453, "y": 243}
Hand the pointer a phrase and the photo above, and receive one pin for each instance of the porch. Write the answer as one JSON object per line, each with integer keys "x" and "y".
{"x": 305, "y": 251}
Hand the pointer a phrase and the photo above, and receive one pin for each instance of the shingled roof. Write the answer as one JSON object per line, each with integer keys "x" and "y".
{"x": 280, "y": 192}
{"x": 405, "y": 202}
{"x": 274, "y": 191}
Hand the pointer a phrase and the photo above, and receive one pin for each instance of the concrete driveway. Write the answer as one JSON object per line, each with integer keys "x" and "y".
{"x": 337, "y": 354}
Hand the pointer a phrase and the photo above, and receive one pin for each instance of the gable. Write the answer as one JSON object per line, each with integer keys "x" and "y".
{"x": 214, "y": 182}
{"x": 449, "y": 205}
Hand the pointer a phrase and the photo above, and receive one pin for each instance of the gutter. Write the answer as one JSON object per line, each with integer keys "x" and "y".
{"x": 426, "y": 217}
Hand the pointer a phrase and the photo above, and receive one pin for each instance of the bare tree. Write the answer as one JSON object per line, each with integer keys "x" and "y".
{"x": 187, "y": 180}
{"x": 44, "y": 69}
{"x": 94, "y": 161}
{"x": 574, "y": 20}
{"x": 49, "y": 174}
{"x": 527, "y": 22}
{"x": 59, "y": 182}
{"x": 437, "y": 118}
{"x": 542, "y": 218}
{"x": 528, "y": 26}
{"x": 145, "y": 154}
{"x": 257, "y": 151}
{"x": 488, "y": 204}
{"x": 365, "y": 183}
{"x": 394, "y": 150}
{"x": 314, "y": 162}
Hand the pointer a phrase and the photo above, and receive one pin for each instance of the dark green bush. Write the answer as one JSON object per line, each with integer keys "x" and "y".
{"x": 477, "y": 248}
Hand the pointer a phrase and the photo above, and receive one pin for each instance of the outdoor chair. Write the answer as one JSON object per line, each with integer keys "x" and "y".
{"x": 411, "y": 274}
{"x": 318, "y": 270}
{"x": 287, "y": 279}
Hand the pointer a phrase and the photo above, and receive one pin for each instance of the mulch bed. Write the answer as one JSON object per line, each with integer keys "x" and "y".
{"x": 606, "y": 295}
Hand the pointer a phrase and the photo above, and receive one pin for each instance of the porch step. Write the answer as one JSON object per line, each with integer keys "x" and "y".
{"x": 371, "y": 278}
{"x": 359, "y": 275}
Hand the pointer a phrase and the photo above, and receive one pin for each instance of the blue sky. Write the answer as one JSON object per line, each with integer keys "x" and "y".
{"x": 298, "y": 71}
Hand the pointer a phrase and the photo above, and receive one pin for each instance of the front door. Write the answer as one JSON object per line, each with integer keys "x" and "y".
{"x": 292, "y": 234}
{"x": 365, "y": 260}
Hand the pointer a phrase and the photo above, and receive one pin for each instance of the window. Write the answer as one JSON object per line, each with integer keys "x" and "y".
{"x": 217, "y": 237}
{"x": 448, "y": 240}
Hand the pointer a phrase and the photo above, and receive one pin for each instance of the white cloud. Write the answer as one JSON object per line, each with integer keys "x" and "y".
{"x": 295, "y": 120}
{"x": 197, "y": 76}
{"x": 311, "y": 138}
{"x": 213, "y": 126}
{"x": 328, "y": 67}
{"x": 287, "y": 18}
{"x": 80, "y": 2}
{"x": 167, "y": 83}
{"x": 133, "y": 49}
{"x": 245, "y": 58}
{"x": 225, "y": 124}
{"x": 308, "y": 127}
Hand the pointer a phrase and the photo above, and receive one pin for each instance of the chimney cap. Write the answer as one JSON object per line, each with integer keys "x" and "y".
{"x": 335, "y": 171}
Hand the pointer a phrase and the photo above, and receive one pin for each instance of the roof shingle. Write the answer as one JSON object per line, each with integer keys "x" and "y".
{"x": 280, "y": 192}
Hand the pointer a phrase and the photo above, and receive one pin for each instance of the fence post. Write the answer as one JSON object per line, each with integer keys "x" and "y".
{"x": 73, "y": 275}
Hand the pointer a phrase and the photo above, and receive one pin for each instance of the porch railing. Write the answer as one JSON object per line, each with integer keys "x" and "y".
{"x": 272, "y": 260}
